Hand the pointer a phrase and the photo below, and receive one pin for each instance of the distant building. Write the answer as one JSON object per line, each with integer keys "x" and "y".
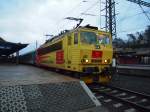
{"x": 132, "y": 56}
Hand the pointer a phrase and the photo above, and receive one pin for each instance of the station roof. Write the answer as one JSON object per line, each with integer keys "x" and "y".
{"x": 7, "y": 48}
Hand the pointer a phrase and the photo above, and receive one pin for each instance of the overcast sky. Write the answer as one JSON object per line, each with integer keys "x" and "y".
{"x": 26, "y": 21}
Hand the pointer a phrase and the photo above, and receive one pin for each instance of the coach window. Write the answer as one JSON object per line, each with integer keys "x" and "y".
{"x": 75, "y": 38}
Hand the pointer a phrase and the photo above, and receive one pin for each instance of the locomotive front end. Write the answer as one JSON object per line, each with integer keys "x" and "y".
{"x": 96, "y": 55}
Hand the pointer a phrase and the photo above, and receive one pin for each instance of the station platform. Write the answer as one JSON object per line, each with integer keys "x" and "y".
{"x": 30, "y": 89}
{"x": 12, "y": 74}
{"x": 134, "y": 69}
{"x": 134, "y": 66}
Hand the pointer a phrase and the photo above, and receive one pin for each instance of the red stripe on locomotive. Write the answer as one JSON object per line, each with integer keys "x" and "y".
{"x": 97, "y": 54}
{"x": 59, "y": 57}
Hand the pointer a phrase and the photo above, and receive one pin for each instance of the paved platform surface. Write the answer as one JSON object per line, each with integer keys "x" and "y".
{"x": 30, "y": 89}
{"x": 11, "y": 74}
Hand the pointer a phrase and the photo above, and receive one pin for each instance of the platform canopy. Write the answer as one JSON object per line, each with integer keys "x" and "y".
{"x": 7, "y": 48}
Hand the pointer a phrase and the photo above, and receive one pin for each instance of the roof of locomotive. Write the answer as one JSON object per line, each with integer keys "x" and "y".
{"x": 63, "y": 33}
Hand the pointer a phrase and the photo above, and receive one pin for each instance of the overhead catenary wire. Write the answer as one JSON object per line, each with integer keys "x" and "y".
{"x": 91, "y": 6}
{"x": 126, "y": 10}
{"x": 144, "y": 12}
{"x": 85, "y": 12}
{"x": 100, "y": 13}
{"x": 66, "y": 14}
{"x": 94, "y": 4}
{"x": 129, "y": 17}
{"x": 88, "y": 9}
{"x": 125, "y": 31}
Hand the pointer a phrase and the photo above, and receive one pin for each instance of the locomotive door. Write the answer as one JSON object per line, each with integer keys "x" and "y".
{"x": 69, "y": 50}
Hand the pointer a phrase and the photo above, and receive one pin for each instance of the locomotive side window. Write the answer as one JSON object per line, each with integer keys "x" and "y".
{"x": 75, "y": 38}
{"x": 51, "y": 48}
{"x": 69, "y": 39}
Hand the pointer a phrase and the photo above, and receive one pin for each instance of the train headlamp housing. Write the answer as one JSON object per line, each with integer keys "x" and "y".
{"x": 85, "y": 60}
{"x": 107, "y": 61}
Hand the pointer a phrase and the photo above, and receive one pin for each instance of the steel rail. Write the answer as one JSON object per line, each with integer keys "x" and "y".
{"x": 136, "y": 106}
{"x": 95, "y": 88}
{"x": 129, "y": 91}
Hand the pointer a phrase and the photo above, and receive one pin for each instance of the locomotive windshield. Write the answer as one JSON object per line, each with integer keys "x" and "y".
{"x": 88, "y": 37}
{"x": 93, "y": 38}
{"x": 103, "y": 39}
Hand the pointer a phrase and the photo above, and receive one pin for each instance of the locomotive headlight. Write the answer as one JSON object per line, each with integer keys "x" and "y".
{"x": 86, "y": 60}
{"x": 105, "y": 61}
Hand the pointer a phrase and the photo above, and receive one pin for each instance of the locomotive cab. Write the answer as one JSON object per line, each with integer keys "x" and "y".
{"x": 95, "y": 48}
{"x": 90, "y": 52}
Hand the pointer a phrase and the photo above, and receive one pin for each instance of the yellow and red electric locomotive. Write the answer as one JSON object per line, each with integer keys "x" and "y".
{"x": 85, "y": 51}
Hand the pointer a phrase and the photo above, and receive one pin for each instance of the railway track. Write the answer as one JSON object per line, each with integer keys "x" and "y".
{"x": 119, "y": 99}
